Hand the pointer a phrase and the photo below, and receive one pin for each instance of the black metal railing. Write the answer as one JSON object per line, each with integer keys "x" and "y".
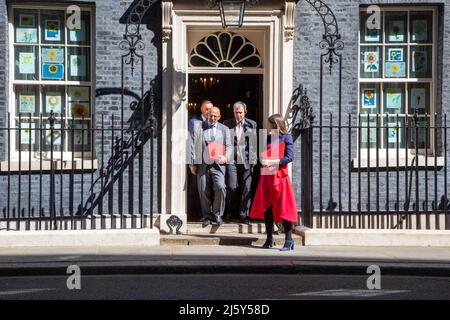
{"x": 393, "y": 172}
{"x": 72, "y": 174}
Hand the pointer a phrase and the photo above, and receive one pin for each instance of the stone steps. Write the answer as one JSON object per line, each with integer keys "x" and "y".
{"x": 237, "y": 228}
{"x": 229, "y": 239}
{"x": 228, "y": 234}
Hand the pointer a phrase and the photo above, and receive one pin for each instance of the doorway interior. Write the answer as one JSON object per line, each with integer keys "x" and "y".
{"x": 223, "y": 90}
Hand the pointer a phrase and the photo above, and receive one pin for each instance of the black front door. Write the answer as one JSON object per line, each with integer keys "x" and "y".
{"x": 223, "y": 91}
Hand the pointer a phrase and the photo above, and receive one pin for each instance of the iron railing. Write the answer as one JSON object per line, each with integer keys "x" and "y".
{"x": 58, "y": 174}
{"x": 392, "y": 173}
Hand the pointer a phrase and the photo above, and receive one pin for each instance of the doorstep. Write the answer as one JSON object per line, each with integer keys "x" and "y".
{"x": 225, "y": 239}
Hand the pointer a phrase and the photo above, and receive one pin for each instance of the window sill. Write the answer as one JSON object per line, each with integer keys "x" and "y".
{"x": 68, "y": 166}
{"x": 390, "y": 163}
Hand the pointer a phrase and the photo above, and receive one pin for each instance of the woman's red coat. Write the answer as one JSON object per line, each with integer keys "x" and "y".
{"x": 275, "y": 190}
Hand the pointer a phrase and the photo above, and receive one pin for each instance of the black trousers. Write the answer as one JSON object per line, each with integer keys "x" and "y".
{"x": 195, "y": 207}
{"x": 239, "y": 186}
{"x": 268, "y": 220}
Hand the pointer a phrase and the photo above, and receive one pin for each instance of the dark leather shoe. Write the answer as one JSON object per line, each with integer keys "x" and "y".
{"x": 206, "y": 223}
{"x": 268, "y": 244}
{"x": 219, "y": 220}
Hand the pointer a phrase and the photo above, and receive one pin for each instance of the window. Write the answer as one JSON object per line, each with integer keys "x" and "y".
{"x": 225, "y": 50}
{"x": 50, "y": 72}
{"x": 397, "y": 78}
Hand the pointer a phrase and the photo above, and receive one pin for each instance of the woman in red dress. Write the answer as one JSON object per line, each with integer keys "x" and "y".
{"x": 274, "y": 198}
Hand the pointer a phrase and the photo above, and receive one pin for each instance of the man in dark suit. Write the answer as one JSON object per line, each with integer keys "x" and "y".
{"x": 212, "y": 149}
{"x": 239, "y": 173}
{"x": 205, "y": 106}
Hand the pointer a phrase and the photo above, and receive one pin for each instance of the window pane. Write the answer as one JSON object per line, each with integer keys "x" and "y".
{"x": 394, "y": 98}
{"x": 27, "y": 134}
{"x": 394, "y": 132}
{"x": 367, "y": 35}
{"x": 26, "y": 63}
{"x": 396, "y": 61}
{"x": 81, "y": 36}
{"x": 80, "y": 136}
{"x": 79, "y": 102}
{"x": 26, "y": 22}
{"x": 421, "y": 27}
{"x": 27, "y": 100}
{"x": 421, "y": 62}
{"x": 396, "y": 26}
{"x": 79, "y": 64}
{"x": 53, "y": 99}
{"x": 370, "y": 98}
{"x": 419, "y": 98}
{"x": 52, "y": 27}
{"x": 368, "y": 132}
{"x": 53, "y": 63}
{"x": 371, "y": 62}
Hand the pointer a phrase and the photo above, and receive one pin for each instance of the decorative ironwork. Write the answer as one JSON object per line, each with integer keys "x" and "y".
{"x": 331, "y": 39}
{"x": 174, "y": 221}
{"x": 301, "y": 115}
{"x": 142, "y": 127}
{"x": 328, "y": 18}
{"x": 225, "y": 50}
{"x": 132, "y": 39}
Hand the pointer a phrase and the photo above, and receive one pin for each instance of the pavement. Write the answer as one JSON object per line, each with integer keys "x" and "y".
{"x": 413, "y": 261}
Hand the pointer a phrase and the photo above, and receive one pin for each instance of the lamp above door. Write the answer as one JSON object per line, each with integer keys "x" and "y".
{"x": 231, "y": 11}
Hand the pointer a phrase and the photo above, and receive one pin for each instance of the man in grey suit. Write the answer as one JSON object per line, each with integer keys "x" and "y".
{"x": 195, "y": 204}
{"x": 211, "y": 151}
{"x": 240, "y": 171}
{"x": 198, "y": 120}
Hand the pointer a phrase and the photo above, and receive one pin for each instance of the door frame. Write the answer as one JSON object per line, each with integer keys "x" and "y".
{"x": 260, "y": 105}
{"x": 277, "y": 89}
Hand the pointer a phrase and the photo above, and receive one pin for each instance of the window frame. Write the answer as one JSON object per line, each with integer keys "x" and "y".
{"x": 12, "y": 82}
{"x": 406, "y": 82}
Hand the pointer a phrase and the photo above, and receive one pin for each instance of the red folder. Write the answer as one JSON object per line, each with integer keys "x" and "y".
{"x": 215, "y": 150}
{"x": 273, "y": 152}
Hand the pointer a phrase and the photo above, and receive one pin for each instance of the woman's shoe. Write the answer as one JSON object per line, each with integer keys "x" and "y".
{"x": 268, "y": 244}
{"x": 288, "y": 245}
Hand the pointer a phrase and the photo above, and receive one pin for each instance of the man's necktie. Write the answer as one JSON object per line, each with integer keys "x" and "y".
{"x": 239, "y": 131}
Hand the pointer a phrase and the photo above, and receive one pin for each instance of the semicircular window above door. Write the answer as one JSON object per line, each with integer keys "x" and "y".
{"x": 225, "y": 50}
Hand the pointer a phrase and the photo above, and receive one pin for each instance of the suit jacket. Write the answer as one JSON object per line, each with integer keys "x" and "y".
{"x": 199, "y": 151}
{"x": 247, "y": 146}
{"x": 195, "y": 121}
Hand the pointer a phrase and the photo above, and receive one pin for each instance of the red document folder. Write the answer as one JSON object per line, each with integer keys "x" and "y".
{"x": 215, "y": 150}
{"x": 273, "y": 152}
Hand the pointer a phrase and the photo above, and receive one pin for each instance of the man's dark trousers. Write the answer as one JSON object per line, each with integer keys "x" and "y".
{"x": 239, "y": 183}
{"x": 240, "y": 172}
